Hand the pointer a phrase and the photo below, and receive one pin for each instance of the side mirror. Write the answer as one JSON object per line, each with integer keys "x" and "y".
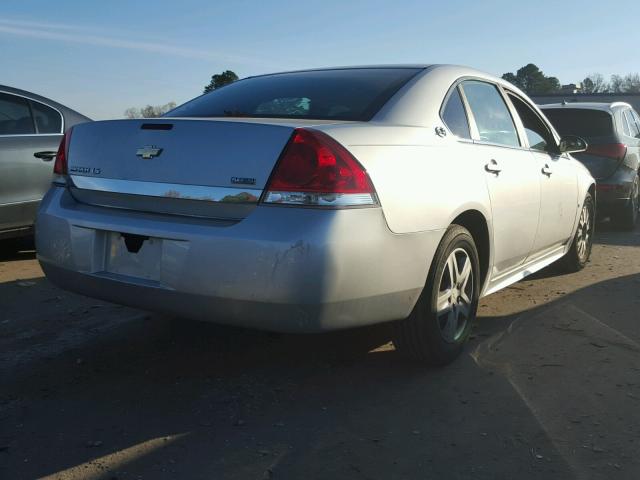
{"x": 572, "y": 144}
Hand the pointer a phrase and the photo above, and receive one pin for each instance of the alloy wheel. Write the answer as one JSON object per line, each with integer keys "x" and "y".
{"x": 584, "y": 232}
{"x": 455, "y": 294}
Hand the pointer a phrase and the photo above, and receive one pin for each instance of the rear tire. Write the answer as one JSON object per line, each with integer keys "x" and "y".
{"x": 578, "y": 255}
{"x": 629, "y": 216}
{"x": 441, "y": 321}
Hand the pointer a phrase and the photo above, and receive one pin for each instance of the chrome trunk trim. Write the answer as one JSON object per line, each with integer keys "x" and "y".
{"x": 168, "y": 190}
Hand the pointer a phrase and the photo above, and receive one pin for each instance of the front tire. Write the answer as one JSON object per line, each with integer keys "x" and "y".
{"x": 578, "y": 255}
{"x": 441, "y": 321}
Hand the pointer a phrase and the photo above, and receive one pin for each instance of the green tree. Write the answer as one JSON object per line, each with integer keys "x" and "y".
{"x": 220, "y": 80}
{"x": 532, "y": 80}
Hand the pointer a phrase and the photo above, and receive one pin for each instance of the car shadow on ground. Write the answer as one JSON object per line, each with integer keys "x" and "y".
{"x": 610, "y": 234}
{"x": 168, "y": 398}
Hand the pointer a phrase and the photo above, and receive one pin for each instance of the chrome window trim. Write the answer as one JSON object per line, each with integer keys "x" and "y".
{"x": 165, "y": 190}
{"x": 32, "y": 135}
{"x": 35, "y": 126}
{"x": 631, "y": 123}
{"x": 473, "y": 129}
{"x": 465, "y": 107}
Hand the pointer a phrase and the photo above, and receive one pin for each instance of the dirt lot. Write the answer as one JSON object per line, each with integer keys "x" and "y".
{"x": 548, "y": 388}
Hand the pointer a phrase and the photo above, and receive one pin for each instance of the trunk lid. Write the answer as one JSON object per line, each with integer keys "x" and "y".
{"x": 197, "y": 167}
{"x": 178, "y": 151}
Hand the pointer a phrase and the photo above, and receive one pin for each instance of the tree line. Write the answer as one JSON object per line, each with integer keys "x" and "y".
{"x": 152, "y": 111}
{"x": 533, "y": 81}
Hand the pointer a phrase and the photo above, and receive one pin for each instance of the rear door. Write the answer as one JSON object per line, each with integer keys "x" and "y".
{"x": 26, "y": 127}
{"x": 557, "y": 176}
{"x": 512, "y": 175}
{"x": 633, "y": 138}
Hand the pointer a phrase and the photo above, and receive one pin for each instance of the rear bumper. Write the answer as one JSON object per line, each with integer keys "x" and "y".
{"x": 614, "y": 192}
{"x": 281, "y": 269}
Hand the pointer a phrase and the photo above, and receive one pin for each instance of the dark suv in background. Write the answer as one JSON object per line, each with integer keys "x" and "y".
{"x": 612, "y": 131}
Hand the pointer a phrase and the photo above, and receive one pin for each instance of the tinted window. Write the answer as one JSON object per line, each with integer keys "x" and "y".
{"x": 538, "y": 135}
{"x": 15, "y": 116}
{"x": 47, "y": 119}
{"x": 625, "y": 125}
{"x": 491, "y": 114}
{"x": 636, "y": 118}
{"x": 633, "y": 127}
{"x": 349, "y": 94}
{"x": 455, "y": 116}
{"x": 580, "y": 121}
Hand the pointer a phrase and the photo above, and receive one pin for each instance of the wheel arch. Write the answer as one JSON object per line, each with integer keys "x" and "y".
{"x": 478, "y": 226}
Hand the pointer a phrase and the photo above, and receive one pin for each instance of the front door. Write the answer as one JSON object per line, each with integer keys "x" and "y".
{"x": 557, "y": 177}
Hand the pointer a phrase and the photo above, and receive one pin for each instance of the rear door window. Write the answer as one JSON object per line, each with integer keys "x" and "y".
{"x": 15, "y": 116}
{"x": 580, "y": 121}
{"x": 47, "y": 119}
{"x": 455, "y": 116}
{"x": 625, "y": 124}
{"x": 538, "y": 134}
{"x": 633, "y": 126}
{"x": 490, "y": 113}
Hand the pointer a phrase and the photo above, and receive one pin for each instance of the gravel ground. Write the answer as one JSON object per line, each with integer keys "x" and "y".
{"x": 549, "y": 387}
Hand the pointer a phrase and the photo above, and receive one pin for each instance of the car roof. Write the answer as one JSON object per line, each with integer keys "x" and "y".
{"x": 602, "y": 106}
{"x": 66, "y": 111}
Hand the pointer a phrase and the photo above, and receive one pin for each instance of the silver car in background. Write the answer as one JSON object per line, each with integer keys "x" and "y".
{"x": 319, "y": 200}
{"x": 31, "y": 127}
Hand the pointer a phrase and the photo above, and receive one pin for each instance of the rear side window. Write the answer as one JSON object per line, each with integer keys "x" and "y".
{"x": 625, "y": 124}
{"x": 490, "y": 113}
{"x": 633, "y": 126}
{"x": 15, "y": 116}
{"x": 47, "y": 119}
{"x": 454, "y": 115}
{"x": 348, "y": 94}
{"x": 580, "y": 121}
{"x": 635, "y": 118}
{"x": 538, "y": 134}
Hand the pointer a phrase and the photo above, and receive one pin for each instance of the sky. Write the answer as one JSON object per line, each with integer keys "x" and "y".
{"x": 101, "y": 58}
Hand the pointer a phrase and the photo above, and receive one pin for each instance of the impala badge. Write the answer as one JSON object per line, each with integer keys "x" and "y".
{"x": 148, "y": 151}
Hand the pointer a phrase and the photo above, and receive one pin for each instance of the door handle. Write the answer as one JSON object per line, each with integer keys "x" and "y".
{"x": 493, "y": 167}
{"x": 47, "y": 155}
{"x": 547, "y": 170}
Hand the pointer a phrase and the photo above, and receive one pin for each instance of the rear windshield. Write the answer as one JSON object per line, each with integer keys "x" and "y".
{"x": 580, "y": 121}
{"x": 349, "y": 94}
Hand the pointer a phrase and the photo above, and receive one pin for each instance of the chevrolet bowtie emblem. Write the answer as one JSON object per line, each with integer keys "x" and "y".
{"x": 148, "y": 151}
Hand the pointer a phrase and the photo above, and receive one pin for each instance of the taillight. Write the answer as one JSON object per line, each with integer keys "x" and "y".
{"x": 617, "y": 151}
{"x": 315, "y": 170}
{"x": 62, "y": 157}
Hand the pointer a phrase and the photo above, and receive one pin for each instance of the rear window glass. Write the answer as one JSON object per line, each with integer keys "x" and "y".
{"x": 580, "y": 121}
{"x": 349, "y": 94}
{"x": 47, "y": 119}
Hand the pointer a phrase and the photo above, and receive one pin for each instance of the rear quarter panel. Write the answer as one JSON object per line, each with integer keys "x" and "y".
{"x": 423, "y": 181}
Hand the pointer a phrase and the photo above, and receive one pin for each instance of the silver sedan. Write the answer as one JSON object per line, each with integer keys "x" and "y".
{"x": 322, "y": 199}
